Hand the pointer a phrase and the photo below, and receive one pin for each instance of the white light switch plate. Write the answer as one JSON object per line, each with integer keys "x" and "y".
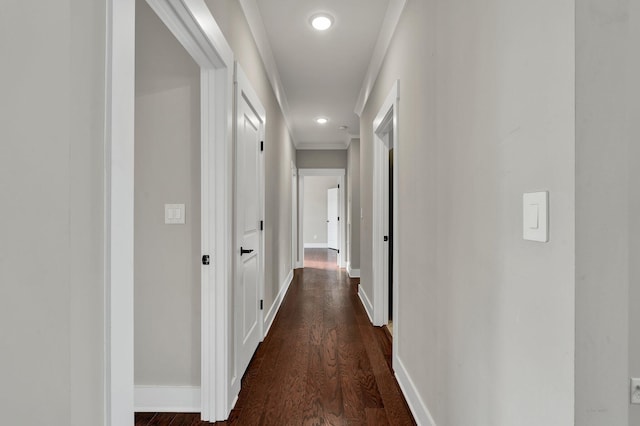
{"x": 535, "y": 216}
{"x": 174, "y": 214}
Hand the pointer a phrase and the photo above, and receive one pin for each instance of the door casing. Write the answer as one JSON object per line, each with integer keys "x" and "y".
{"x": 193, "y": 25}
{"x": 386, "y": 121}
{"x": 340, "y": 173}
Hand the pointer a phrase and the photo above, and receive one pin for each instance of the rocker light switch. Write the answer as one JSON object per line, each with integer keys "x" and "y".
{"x": 535, "y": 214}
{"x": 174, "y": 214}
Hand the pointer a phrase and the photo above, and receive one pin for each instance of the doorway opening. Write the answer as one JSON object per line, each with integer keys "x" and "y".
{"x": 385, "y": 253}
{"x": 321, "y": 217}
{"x": 194, "y": 27}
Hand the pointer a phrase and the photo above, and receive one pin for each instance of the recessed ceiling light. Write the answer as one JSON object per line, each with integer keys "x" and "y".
{"x": 321, "y": 21}
{"x": 322, "y": 120}
{"x": 343, "y": 127}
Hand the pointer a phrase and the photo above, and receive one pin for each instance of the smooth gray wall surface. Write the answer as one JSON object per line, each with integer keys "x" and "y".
{"x": 52, "y": 228}
{"x": 486, "y": 114}
{"x": 321, "y": 159}
{"x": 279, "y": 150}
{"x": 607, "y": 203}
{"x": 315, "y": 208}
{"x": 353, "y": 204}
{"x": 167, "y": 170}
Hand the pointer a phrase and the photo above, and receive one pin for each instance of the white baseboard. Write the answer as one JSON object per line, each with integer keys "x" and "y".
{"x": 315, "y": 245}
{"x": 353, "y": 273}
{"x": 417, "y": 406}
{"x": 273, "y": 310}
{"x": 364, "y": 299}
{"x": 163, "y": 399}
{"x": 299, "y": 265}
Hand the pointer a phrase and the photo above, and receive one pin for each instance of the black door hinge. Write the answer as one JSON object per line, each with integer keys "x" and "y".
{"x": 338, "y": 251}
{"x": 338, "y": 186}
{"x": 205, "y": 259}
{"x": 261, "y": 304}
{"x": 261, "y": 145}
{"x": 338, "y": 218}
{"x": 262, "y": 225}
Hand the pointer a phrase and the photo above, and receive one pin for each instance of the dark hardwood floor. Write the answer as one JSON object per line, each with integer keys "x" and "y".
{"x": 322, "y": 363}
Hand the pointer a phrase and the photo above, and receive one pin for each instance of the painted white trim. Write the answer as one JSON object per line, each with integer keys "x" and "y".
{"x": 350, "y": 138}
{"x": 167, "y": 399}
{"x": 366, "y": 303}
{"x": 119, "y": 201}
{"x": 353, "y": 273}
{"x": 193, "y": 25}
{"x": 387, "y": 30}
{"x": 256, "y": 25}
{"x": 387, "y": 117}
{"x": 243, "y": 88}
{"x": 315, "y": 245}
{"x": 417, "y": 406}
{"x": 340, "y": 173}
{"x": 323, "y": 145}
{"x": 275, "y": 307}
{"x": 294, "y": 215}
{"x": 300, "y": 263}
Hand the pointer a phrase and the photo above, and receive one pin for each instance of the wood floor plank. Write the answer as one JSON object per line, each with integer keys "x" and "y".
{"x": 162, "y": 419}
{"x": 323, "y": 363}
{"x": 143, "y": 419}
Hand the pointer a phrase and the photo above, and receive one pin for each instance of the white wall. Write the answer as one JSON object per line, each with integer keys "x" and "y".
{"x": 315, "y": 208}
{"x": 321, "y": 158}
{"x": 353, "y": 204}
{"x": 52, "y": 190}
{"x": 607, "y": 202}
{"x": 486, "y": 113}
{"x": 167, "y": 170}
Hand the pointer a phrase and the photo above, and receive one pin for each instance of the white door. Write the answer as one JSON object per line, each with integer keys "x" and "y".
{"x": 248, "y": 247}
{"x": 332, "y": 218}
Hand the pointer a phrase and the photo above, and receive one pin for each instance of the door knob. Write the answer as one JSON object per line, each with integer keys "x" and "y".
{"x": 245, "y": 251}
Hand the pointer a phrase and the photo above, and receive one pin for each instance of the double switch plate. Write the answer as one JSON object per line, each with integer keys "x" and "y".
{"x": 174, "y": 214}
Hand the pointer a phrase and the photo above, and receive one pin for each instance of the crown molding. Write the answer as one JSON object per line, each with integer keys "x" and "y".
{"x": 259, "y": 33}
{"x": 388, "y": 28}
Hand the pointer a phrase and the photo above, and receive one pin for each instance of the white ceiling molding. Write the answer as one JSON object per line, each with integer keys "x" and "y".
{"x": 252, "y": 13}
{"x": 321, "y": 145}
{"x": 394, "y": 11}
{"x": 351, "y": 137}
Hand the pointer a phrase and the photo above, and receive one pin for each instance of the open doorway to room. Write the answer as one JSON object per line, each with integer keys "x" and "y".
{"x": 385, "y": 217}
{"x": 167, "y": 221}
{"x": 197, "y": 185}
{"x": 322, "y": 205}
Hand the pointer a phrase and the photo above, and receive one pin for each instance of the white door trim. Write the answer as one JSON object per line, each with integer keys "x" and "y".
{"x": 386, "y": 118}
{"x": 244, "y": 88}
{"x": 294, "y": 216}
{"x": 340, "y": 173}
{"x": 193, "y": 25}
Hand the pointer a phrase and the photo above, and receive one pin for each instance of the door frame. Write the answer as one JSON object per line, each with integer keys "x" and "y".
{"x": 294, "y": 216}
{"x": 195, "y": 28}
{"x": 340, "y": 174}
{"x": 386, "y": 119}
{"x": 243, "y": 88}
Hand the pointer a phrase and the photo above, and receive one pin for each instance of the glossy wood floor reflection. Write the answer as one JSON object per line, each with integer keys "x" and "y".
{"x": 323, "y": 363}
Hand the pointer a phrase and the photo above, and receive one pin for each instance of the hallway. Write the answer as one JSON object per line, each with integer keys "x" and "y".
{"x": 321, "y": 363}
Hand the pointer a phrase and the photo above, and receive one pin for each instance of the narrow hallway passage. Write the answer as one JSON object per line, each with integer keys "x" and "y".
{"x": 322, "y": 363}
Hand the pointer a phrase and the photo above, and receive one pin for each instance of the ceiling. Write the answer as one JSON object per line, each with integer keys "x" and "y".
{"x": 321, "y": 73}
